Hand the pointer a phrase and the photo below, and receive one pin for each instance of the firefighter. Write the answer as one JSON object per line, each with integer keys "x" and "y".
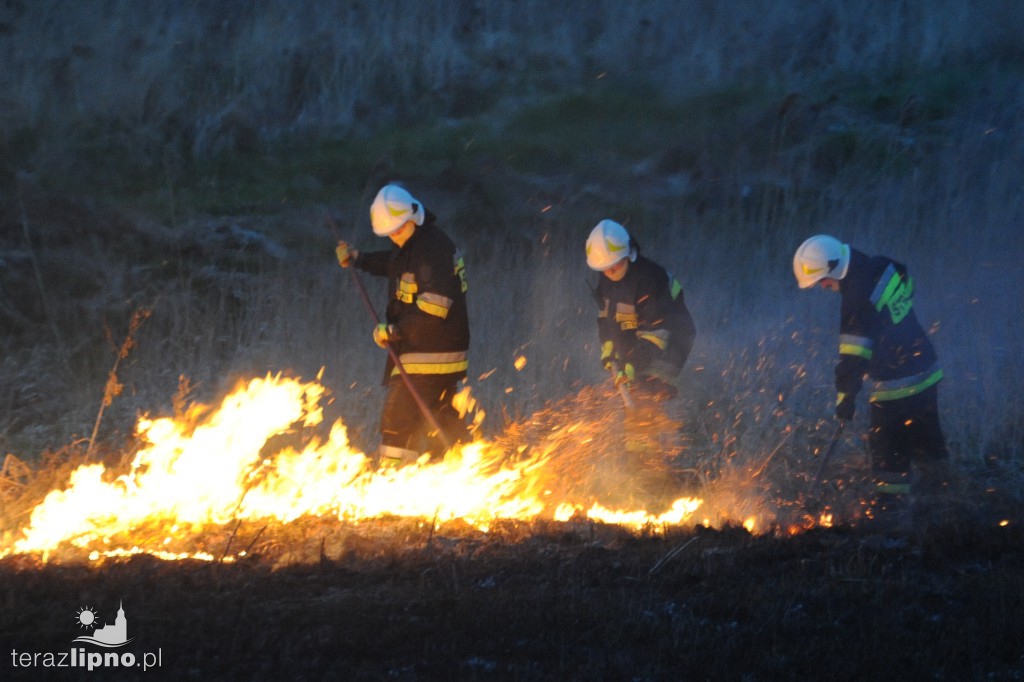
{"x": 880, "y": 338}
{"x": 427, "y": 325}
{"x": 646, "y": 330}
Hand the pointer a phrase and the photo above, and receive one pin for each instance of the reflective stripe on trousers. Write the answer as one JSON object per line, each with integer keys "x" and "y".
{"x": 433, "y": 363}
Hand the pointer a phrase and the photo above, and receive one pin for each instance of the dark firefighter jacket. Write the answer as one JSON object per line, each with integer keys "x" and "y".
{"x": 426, "y": 302}
{"x": 645, "y": 319}
{"x": 879, "y": 335}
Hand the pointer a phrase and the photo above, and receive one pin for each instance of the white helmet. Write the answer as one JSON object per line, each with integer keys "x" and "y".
{"x": 607, "y": 244}
{"x": 819, "y": 257}
{"x": 392, "y": 208}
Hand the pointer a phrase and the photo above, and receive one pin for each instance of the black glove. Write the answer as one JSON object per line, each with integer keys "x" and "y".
{"x": 845, "y": 407}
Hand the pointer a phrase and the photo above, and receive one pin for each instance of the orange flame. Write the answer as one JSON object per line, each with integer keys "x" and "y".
{"x": 209, "y": 468}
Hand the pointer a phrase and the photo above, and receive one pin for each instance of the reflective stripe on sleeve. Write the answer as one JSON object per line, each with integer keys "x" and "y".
{"x": 658, "y": 337}
{"x": 407, "y": 288}
{"x": 434, "y": 304}
{"x": 861, "y": 346}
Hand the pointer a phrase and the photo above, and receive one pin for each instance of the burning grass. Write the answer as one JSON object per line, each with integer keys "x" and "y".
{"x": 264, "y": 458}
{"x": 252, "y": 474}
{"x": 260, "y": 474}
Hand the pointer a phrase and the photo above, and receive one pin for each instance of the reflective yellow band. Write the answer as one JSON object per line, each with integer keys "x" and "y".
{"x": 903, "y": 388}
{"x": 860, "y": 346}
{"x": 859, "y": 351}
{"x": 659, "y": 337}
{"x": 431, "y": 309}
{"x": 434, "y": 304}
{"x": 893, "y": 488}
{"x": 433, "y": 363}
{"x": 607, "y": 348}
{"x": 407, "y": 288}
{"x": 433, "y": 367}
{"x": 626, "y": 317}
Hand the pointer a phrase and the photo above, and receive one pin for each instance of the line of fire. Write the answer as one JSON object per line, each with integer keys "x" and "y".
{"x": 221, "y": 482}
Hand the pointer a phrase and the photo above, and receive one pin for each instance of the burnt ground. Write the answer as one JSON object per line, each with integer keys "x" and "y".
{"x": 549, "y": 601}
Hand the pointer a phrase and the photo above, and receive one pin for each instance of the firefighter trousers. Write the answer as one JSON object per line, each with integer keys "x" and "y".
{"x": 904, "y": 432}
{"x": 403, "y": 425}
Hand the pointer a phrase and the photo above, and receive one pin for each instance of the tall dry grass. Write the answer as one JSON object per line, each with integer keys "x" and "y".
{"x": 169, "y": 82}
{"x": 955, "y": 224}
{"x": 163, "y": 81}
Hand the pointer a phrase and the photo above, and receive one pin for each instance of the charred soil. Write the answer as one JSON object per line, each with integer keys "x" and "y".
{"x": 543, "y": 600}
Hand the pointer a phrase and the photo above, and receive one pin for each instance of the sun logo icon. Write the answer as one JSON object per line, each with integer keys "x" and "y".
{"x": 87, "y": 617}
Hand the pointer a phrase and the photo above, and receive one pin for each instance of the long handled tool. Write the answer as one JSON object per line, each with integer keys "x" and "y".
{"x": 824, "y": 460}
{"x": 427, "y": 414}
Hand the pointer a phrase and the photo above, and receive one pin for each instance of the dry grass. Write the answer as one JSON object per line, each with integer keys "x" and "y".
{"x": 186, "y": 74}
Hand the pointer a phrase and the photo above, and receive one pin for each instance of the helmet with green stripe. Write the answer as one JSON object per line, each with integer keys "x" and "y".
{"x": 392, "y": 208}
{"x": 819, "y": 257}
{"x": 608, "y": 244}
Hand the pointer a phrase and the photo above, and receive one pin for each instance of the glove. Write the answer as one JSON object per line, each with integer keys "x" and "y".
{"x": 384, "y": 334}
{"x": 625, "y": 376}
{"x": 345, "y": 254}
{"x": 607, "y": 355}
{"x": 845, "y": 407}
